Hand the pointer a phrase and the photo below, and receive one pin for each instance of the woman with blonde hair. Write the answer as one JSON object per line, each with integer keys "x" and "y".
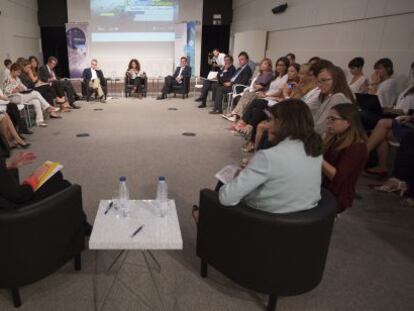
{"x": 345, "y": 154}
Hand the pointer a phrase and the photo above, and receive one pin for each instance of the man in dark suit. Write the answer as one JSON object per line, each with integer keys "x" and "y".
{"x": 181, "y": 72}
{"x": 224, "y": 75}
{"x": 62, "y": 87}
{"x": 95, "y": 79}
{"x": 241, "y": 76}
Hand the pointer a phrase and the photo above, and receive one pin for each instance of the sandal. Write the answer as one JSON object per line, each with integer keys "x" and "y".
{"x": 393, "y": 185}
{"x": 248, "y": 147}
{"x": 42, "y": 124}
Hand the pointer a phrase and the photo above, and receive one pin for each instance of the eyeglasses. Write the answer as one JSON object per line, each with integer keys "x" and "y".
{"x": 333, "y": 119}
{"x": 321, "y": 81}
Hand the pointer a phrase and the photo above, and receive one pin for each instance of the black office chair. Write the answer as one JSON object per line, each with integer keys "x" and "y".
{"x": 275, "y": 254}
{"x": 37, "y": 240}
{"x": 87, "y": 91}
{"x": 183, "y": 88}
{"x": 129, "y": 86}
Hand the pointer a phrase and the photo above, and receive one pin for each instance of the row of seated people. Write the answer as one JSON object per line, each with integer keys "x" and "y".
{"x": 322, "y": 88}
{"x": 25, "y": 83}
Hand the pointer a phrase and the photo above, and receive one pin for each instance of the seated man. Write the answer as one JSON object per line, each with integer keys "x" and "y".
{"x": 224, "y": 75}
{"x": 47, "y": 75}
{"x": 181, "y": 72}
{"x": 95, "y": 79}
{"x": 217, "y": 62}
{"x": 241, "y": 76}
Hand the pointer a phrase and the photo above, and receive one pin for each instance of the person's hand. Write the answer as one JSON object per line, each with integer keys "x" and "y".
{"x": 375, "y": 78}
{"x": 21, "y": 159}
{"x": 227, "y": 84}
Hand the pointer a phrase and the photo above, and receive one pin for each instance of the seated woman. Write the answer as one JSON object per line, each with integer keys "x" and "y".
{"x": 9, "y": 133}
{"x": 31, "y": 81}
{"x": 224, "y": 75}
{"x": 402, "y": 178}
{"x": 391, "y": 129}
{"x": 16, "y": 93}
{"x": 285, "y": 178}
{"x": 383, "y": 85}
{"x": 15, "y": 195}
{"x": 34, "y": 66}
{"x": 358, "y": 82}
{"x": 136, "y": 76}
{"x": 334, "y": 90}
{"x": 259, "y": 84}
{"x": 345, "y": 153}
{"x": 274, "y": 91}
{"x": 291, "y": 87}
{"x": 14, "y": 114}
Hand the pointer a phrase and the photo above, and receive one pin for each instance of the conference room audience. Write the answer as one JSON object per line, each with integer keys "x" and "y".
{"x": 334, "y": 90}
{"x": 259, "y": 84}
{"x": 181, "y": 72}
{"x": 402, "y": 177}
{"x": 241, "y": 76}
{"x": 31, "y": 81}
{"x": 314, "y": 60}
{"x": 18, "y": 94}
{"x": 383, "y": 84}
{"x": 63, "y": 87}
{"x": 136, "y": 76}
{"x": 95, "y": 80}
{"x": 358, "y": 83}
{"x": 255, "y": 114}
{"x": 224, "y": 75}
{"x": 6, "y": 71}
{"x": 345, "y": 153}
{"x": 271, "y": 180}
{"x": 34, "y": 63}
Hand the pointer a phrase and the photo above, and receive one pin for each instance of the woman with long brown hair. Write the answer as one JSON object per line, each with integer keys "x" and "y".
{"x": 345, "y": 153}
{"x": 135, "y": 76}
{"x": 334, "y": 90}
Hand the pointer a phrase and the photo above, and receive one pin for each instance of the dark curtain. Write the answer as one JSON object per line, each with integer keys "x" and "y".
{"x": 54, "y": 44}
{"x": 216, "y": 36}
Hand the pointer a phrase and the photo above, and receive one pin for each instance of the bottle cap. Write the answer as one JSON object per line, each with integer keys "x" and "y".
{"x": 161, "y": 178}
{"x": 122, "y": 178}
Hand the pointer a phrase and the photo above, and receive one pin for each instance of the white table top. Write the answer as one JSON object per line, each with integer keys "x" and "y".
{"x": 112, "y": 232}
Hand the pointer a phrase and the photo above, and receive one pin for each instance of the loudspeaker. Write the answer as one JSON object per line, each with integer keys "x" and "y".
{"x": 280, "y": 8}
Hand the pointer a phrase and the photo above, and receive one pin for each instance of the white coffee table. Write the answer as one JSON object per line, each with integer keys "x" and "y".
{"x": 159, "y": 233}
{"x": 111, "y": 232}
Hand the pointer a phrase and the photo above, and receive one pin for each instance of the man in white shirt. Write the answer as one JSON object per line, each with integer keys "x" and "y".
{"x": 219, "y": 59}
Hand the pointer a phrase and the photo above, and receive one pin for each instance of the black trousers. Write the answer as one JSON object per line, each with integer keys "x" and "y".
{"x": 207, "y": 86}
{"x": 64, "y": 88}
{"x": 221, "y": 91}
{"x": 54, "y": 185}
{"x": 169, "y": 82}
{"x": 404, "y": 160}
{"x": 137, "y": 82}
{"x": 254, "y": 114}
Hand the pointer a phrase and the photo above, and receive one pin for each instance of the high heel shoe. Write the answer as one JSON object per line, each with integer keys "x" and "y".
{"x": 24, "y": 146}
{"x": 393, "y": 185}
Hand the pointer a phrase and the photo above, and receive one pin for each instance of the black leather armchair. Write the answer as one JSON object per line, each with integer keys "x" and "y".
{"x": 275, "y": 254}
{"x": 37, "y": 240}
{"x": 88, "y": 91}
{"x": 183, "y": 88}
{"x": 129, "y": 86}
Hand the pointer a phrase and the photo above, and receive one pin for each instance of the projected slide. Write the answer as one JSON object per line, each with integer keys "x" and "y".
{"x": 133, "y": 20}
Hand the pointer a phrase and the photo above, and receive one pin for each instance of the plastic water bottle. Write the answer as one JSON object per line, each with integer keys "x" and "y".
{"x": 123, "y": 197}
{"x": 162, "y": 196}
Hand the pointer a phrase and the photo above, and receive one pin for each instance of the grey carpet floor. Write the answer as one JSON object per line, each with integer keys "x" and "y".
{"x": 371, "y": 258}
